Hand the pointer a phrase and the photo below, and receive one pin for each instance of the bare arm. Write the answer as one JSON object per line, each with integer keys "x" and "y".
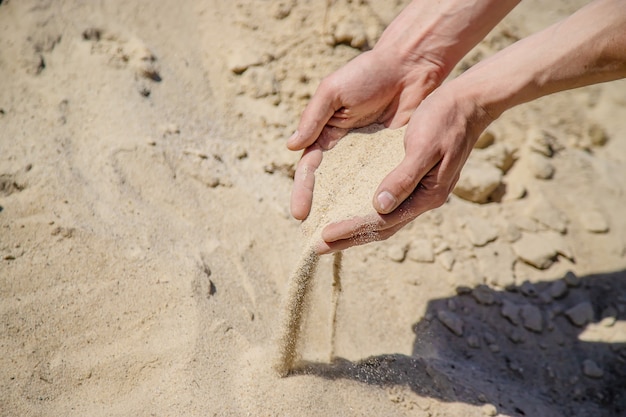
{"x": 413, "y": 56}
{"x": 586, "y": 48}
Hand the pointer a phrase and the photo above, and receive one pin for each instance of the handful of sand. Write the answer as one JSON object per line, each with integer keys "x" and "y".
{"x": 344, "y": 186}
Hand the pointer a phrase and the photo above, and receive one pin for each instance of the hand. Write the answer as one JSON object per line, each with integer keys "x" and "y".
{"x": 439, "y": 138}
{"x": 372, "y": 88}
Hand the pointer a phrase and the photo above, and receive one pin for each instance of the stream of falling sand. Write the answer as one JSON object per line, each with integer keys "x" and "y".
{"x": 295, "y": 306}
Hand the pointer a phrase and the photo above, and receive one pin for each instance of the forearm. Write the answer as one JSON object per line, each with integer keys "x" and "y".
{"x": 441, "y": 32}
{"x": 588, "y": 47}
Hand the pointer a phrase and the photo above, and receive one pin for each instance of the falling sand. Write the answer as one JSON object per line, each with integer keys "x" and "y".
{"x": 344, "y": 185}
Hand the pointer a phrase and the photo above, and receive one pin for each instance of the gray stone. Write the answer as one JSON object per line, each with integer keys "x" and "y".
{"x": 484, "y": 295}
{"x": 580, "y": 314}
{"x": 510, "y": 311}
{"x": 571, "y": 279}
{"x": 451, "y": 321}
{"x": 531, "y": 318}
{"x": 558, "y": 289}
{"x": 592, "y": 370}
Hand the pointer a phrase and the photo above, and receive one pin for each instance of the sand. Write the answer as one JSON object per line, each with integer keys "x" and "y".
{"x": 146, "y": 244}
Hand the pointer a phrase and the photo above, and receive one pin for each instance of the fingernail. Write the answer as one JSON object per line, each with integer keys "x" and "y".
{"x": 293, "y": 137}
{"x": 386, "y": 201}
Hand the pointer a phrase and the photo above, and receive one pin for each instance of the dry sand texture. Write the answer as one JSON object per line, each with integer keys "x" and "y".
{"x": 146, "y": 244}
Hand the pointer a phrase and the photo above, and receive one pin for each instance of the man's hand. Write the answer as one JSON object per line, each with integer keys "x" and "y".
{"x": 371, "y": 88}
{"x": 438, "y": 141}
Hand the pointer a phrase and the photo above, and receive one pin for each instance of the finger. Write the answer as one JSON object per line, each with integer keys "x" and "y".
{"x": 316, "y": 114}
{"x": 400, "y": 183}
{"x": 324, "y": 247}
{"x": 304, "y": 182}
{"x": 330, "y": 136}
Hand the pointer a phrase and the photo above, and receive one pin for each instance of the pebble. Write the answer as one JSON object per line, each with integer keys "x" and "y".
{"x": 478, "y": 180}
{"x": 396, "y": 253}
{"x": 540, "y": 166}
{"x": 558, "y": 289}
{"x": 451, "y": 321}
{"x": 594, "y": 221}
{"x": 571, "y": 279}
{"x": 494, "y": 348}
{"x": 446, "y": 259}
{"x": 473, "y": 341}
{"x": 484, "y": 295}
{"x": 480, "y": 231}
{"x": 240, "y": 60}
{"x": 548, "y": 215}
{"x": 421, "y": 250}
{"x": 501, "y": 156}
{"x": 535, "y": 250}
{"x": 510, "y": 311}
{"x": 512, "y": 233}
{"x": 591, "y": 369}
{"x": 528, "y": 289}
{"x": 350, "y": 32}
{"x": 489, "y": 410}
{"x": 485, "y": 140}
{"x": 541, "y": 142}
{"x": 597, "y": 135}
{"x": 516, "y": 336}
{"x": 580, "y": 314}
{"x": 531, "y": 318}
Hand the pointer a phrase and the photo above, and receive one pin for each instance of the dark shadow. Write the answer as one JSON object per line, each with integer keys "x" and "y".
{"x": 518, "y": 350}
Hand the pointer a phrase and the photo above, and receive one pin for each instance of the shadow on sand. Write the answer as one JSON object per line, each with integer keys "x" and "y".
{"x": 519, "y": 349}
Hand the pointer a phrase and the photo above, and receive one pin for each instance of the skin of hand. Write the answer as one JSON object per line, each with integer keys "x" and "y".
{"x": 385, "y": 85}
{"x": 443, "y": 129}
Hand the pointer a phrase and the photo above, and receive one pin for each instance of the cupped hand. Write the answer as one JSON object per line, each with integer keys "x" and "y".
{"x": 374, "y": 87}
{"x": 438, "y": 140}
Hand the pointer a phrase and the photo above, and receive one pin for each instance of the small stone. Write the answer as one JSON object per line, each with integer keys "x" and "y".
{"x": 580, "y": 314}
{"x": 541, "y": 142}
{"x": 571, "y": 279}
{"x": 451, "y": 321}
{"x": 489, "y": 410}
{"x": 489, "y": 338}
{"x": 485, "y": 140}
{"x": 396, "y": 253}
{"x": 540, "y": 166}
{"x": 480, "y": 231}
{"x": 592, "y": 370}
{"x": 446, "y": 259}
{"x": 548, "y": 215}
{"x": 463, "y": 290}
{"x": 594, "y": 221}
{"x": 494, "y": 348}
{"x": 240, "y": 60}
{"x": 473, "y": 341}
{"x": 535, "y": 251}
{"x": 558, "y": 289}
{"x": 484, "y": 295}
{"x": 501, "y": 156}
{"x": 597, "y": 135}
{"x": 528, "y": 289}
{"x": 512, "y": 233}
{"x": 421, "y": 250}
{"x": 516, "y": 336}
{"x": 531, "y": 318}
{"x": 350, "y": 32}
{"x": 510, "y": 311}
{"x": 479, "y": 179}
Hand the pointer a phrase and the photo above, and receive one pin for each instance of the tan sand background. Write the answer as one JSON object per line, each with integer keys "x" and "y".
{"x": 145, "y": 240}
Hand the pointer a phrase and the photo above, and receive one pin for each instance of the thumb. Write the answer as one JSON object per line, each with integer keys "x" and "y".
{"x": 400, "y": 183}
{"x": 314, "y": 117}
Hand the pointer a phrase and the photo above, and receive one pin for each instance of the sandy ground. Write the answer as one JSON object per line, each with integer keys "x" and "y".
{"x": 145, "y": 241}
